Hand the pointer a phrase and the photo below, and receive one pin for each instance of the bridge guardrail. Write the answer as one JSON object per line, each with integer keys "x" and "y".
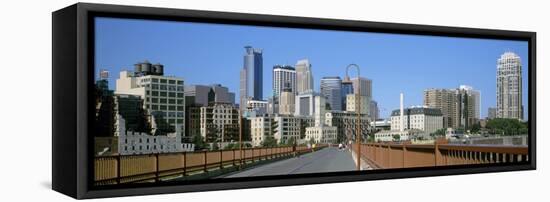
{"x": 148, "y": 167}
{"x": 390, "y": 155}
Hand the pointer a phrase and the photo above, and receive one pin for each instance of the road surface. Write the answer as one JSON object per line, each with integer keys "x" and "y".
{"x": 325, "y": 160}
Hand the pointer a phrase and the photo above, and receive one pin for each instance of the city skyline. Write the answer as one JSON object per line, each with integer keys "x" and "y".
{"x": 389, "y": 60}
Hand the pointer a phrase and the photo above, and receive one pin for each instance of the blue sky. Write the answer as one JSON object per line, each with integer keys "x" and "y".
{"x": 213, "y": 53}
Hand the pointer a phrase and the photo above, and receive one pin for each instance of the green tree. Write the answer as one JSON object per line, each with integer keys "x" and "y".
{"x": 396, "y": 137}
{"x": 215, "y": 146}
{"x": 290, "y": 141}
{"x": 269, "y": 142}
{"x": 475, "y": 128}
{"x": 311, "y": 140}
{"x": 198, "y": 140}
{"x": 303, "y": 127}
{"x": 439, "y": 133}
{"x": 502, "y": 126}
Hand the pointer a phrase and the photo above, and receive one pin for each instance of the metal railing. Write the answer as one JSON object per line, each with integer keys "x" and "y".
{"x": 153, "y": 167}
{"x": 388, "y": 155}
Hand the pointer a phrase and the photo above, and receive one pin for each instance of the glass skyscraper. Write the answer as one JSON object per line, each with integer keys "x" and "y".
{"x": 331, "y": 89}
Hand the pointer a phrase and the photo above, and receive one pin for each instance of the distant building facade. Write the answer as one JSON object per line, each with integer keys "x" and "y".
{"x": 492, "y": 113}
{"x": 346, "y": 123}
{"x": 459, "y": 106}
{"x": 219, "y": 123}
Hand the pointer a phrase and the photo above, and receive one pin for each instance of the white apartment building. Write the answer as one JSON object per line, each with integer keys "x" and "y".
{"x": 321, "y": 134}
{"x": 422, "y": 118}
{"x": 509, "y": 86}
{"x": 134, "y": 143}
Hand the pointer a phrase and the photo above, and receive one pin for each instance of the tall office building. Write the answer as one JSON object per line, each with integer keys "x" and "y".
{"x": 509, "y": 86}
{"x": 163, "y": 96}
{"x": 251, "y": 76}
{"x": 304, "y": 77}
{"x": 331, "y": 89}
{"x": 477, "y": 99}
{"x": 284, "y": 76}
{"x": 365, "y": 89}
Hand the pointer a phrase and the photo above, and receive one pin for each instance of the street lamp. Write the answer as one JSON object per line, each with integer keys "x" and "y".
{"x": 358, "y": 133}
{"x": 241, "y": 134}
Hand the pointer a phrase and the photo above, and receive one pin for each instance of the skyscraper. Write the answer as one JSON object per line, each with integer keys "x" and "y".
{"x": 477, "y": 99}
{"x": 251, "y": 76}
{"x": 304, "y": 77}
{"x": 284, "y": 76}
{"x": 509, "y": 86}
{"x": 331, "y": 89}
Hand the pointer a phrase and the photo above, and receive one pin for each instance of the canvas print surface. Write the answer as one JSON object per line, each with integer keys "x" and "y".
{"x": 183, "y": 101}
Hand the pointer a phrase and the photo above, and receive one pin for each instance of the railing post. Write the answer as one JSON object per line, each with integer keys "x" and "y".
{"x": 184, "y": 164}
{"x": 205, "y": 162}
{"x": 221, "y": 159}
{"x": 233, "y": 157}
{"x": 118, "y": 169}
{"x": 389, "y": 156}
{"x": 437, "y": 154}
{"x": 404, "y": 155}
{"x": 157, "y": 167}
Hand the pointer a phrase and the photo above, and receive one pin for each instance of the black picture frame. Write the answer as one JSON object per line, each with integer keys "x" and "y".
{"x": 72, "y": 83}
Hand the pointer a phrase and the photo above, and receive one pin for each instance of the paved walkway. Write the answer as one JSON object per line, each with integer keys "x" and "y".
{"x": 325, "y": 160}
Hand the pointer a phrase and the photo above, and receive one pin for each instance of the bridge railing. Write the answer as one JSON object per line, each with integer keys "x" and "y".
{"x": 388, "y": 155}
{"x": 152, "y": 167}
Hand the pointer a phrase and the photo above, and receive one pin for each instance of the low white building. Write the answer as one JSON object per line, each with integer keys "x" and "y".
{"x": 134, "y": 143}
{"x": 422, "y": 118}
{"x": 282, "y": 128}
{"x": 393, "y": 135}
{"x": 321, "y": 134}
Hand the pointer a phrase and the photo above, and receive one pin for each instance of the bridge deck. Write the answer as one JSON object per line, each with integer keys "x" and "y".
{"x": 325, "y": 160}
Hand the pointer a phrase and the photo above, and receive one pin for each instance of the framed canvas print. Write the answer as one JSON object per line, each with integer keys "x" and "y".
{"x": 157, "y": 100}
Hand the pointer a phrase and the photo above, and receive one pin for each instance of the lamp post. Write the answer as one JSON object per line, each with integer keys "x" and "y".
{"x": 358, "y": 133}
